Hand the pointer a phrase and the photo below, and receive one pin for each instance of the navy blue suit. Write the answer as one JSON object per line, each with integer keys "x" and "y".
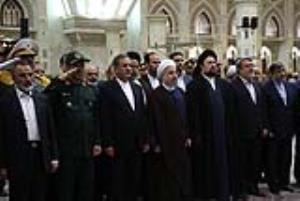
{"x": 282, "y": 127}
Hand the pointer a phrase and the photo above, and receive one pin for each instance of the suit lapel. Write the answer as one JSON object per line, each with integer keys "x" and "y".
{"x": 16, "y": 105}
{"x": 245, "y": 90}
{"x": 38, "y": 108}
{"x": 257, "y": 92}
{"x": 135, "y": 95}
{"x": 275, "y": 91}
{"x": 122, "y": 96}
{"x": 288, "y": 93}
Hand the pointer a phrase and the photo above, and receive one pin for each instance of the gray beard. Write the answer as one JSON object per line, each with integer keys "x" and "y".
{"x": 25, "y": 89}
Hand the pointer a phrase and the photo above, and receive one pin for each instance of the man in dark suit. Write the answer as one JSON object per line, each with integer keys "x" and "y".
{"x": 150, "y": 81}
{"x": 252, "y": 125}
{"x": 27, "y": 141}
{"x": 152, "y": 160}
{"x": 281, "y": 109}
{"x": 211, "y": 119}
{"x": 124, "y": 129}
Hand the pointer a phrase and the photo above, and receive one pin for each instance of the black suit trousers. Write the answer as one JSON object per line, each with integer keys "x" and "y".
{"x": 250, "y": 153}
{"x": 28, "y": 180}
{"x": 279, "y": 161}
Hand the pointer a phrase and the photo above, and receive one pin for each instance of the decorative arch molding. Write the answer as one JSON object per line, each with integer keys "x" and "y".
{"x": 278, "y": 15}
{"x": 209, "y": 10}
{"x": 171, "y": 10}
{"x": 29, "y": 10}
{"x": 297, "y": 25}
{"x": 231, "y": 20}
{"x": 22, "y": 5}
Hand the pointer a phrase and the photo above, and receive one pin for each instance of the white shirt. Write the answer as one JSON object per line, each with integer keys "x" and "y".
{"x": 211, "y": 80}
{"x": 281, "y": 90}
{"x": 126, "y": 88}
{"x": 153, "y": 81}
{"x": 180, "y": 82}
{"x": 250, "y": 88}
{"x": 29, "y": 113}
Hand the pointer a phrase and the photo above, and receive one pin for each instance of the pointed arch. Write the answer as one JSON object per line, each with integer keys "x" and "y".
{"x": 201, "y": 11}
{"x": 273, "y": 24}
{"x": 297, "y": 26}
{"x": 272, "y": 28}
{"x": 203, "y": 24}
{"x": 170, "y": 22}
{"x": 167, "y": 8}
{"x": 11, "y": 12}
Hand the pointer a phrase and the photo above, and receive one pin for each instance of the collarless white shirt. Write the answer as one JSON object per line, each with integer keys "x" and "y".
{"x": 126, "y": 88}
{"x": 29, "y": 112}
{"x": 168, "y": 88}
{"x": 211, "y": 81}
{"x": 154, "y": 82}
{"x": 250, "y": 88}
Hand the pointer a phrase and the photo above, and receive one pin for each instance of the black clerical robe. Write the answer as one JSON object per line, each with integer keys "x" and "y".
{"x": 212, "y": 126}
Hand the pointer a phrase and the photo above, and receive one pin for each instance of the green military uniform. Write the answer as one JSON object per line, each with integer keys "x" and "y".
{"x": 75, "y": 111}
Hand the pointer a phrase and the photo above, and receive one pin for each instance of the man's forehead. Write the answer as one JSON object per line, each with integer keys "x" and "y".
{"x": 248, "y": 62}
{"x": 125, "y": 60}
{"x": 23, "y": 68}
{"x": 154, "y": 56}
{"x": 92, "y": 69}
{"x": 210, "y": 58}
{"x": 178, "y": 56}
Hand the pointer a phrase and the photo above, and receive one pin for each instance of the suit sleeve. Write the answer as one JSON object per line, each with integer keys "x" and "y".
{"x": 52, "y": 135}
{"x": 145, "y": 122}
{"x": 2, "y": 137}
{"x": 265, "y": 116}
{"x": 98, "y": 122}
{"x": 51, "y": 93}
{"x": 106, "y": 114}
{"x": 192, "y": 106}
{"x": 297, "y": 112}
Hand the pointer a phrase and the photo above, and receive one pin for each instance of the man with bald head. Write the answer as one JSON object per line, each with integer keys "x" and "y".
{"x": 91, "y": 74}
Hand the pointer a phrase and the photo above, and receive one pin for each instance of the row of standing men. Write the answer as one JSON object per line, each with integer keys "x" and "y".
{"x": 146, "y": 136}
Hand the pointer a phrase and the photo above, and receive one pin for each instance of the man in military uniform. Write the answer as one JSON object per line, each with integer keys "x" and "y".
{"x": 75, "y": 109}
